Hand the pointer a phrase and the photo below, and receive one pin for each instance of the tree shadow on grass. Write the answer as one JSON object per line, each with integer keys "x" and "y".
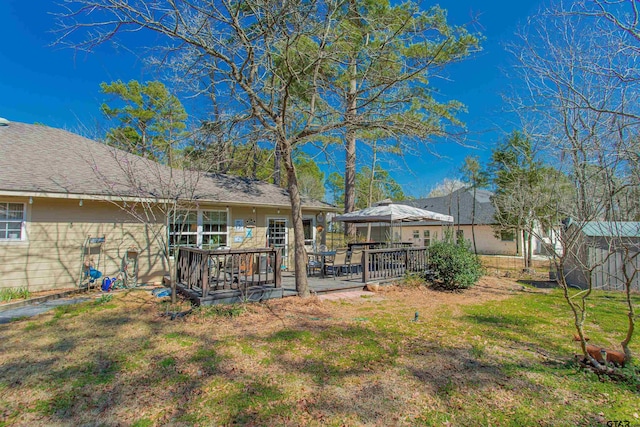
{"x": 157, "y": 370}
{"x": 367, "y": 376}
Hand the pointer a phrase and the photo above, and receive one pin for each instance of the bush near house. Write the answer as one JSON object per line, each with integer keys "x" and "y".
{"x": 454, "y": 265}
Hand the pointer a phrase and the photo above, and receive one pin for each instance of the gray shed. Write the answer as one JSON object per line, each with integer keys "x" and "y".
{"x": 608, "y": 252}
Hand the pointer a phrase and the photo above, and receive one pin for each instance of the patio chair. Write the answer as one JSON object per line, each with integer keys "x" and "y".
{"x": 337, "y": 262}
{"x": 355, "y": 262}
{"x": 313, "y": 264}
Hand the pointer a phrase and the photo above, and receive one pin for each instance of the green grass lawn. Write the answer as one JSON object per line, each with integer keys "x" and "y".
{"x": 496, "y": 355}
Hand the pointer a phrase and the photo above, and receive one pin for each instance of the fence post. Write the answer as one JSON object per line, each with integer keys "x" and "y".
{"x": 406, "y": 260}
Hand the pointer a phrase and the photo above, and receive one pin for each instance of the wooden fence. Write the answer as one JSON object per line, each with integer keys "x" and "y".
{"x": 613, "y": 270}
{"x": 235, "y": 269}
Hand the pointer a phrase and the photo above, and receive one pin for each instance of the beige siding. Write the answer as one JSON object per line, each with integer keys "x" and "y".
{"x": 56, "y": 231}
{"x": 486, "y": 242}
{"x": 259, "y": 218}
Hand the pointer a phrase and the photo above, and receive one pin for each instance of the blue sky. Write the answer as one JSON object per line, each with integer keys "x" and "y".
{"x": 53, "y": 86}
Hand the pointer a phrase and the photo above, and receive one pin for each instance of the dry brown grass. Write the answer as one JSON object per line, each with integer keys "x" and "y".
{"x": 356, "y": 361}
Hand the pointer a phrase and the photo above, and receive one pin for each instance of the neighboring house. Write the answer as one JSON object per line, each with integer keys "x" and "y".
{"x": 605, "y": 253}
{"x": 459, "y": 205}
{"x": 58, "y": 190}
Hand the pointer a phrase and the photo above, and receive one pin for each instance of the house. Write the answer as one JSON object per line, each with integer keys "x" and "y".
{"x": 459, "y": 204}
{"x": 67, "y": 201}
{"x": 605, "y": 253}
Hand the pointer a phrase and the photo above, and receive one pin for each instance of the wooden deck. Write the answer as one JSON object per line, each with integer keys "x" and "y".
{"x": 252, "y": 275}
{"x": 317, "y": 285}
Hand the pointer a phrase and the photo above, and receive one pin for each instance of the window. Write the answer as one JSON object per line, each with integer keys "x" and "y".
{"x": 12, "y": 221}
{"x": 308, "y": 232}
{"x": 198, "y": 229}
{"x": 426, "y": 234}
{"x": 214, "y": 229}
{"x": 416, "y": 234}
{"x": 507, "y": 235}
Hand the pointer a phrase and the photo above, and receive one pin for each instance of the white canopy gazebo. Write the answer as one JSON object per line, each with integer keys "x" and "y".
{"x": 393, "y": 214}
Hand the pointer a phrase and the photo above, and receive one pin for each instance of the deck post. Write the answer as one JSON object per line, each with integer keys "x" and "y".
{"x": 278, "y": 268}
{"x": 365, "y": 266}
{"x": 205, "y": 274}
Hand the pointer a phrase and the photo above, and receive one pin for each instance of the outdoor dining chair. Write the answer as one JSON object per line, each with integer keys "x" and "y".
{"x": 313, "y": 264}
{"x": 337, "y": 263}
{"x": 355, "y": 262}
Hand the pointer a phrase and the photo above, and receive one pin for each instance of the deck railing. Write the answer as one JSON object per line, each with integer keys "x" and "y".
{"x": 380, "y": 264}
{"x": 211, "y": 270}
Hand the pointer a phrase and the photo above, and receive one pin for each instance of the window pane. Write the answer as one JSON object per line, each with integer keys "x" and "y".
{"x": 185, "y": 217}
{"x": 11, "y": 230}
{"x": 12, "y": 211}
{"x": 306, "y": 225}
{"x": 214, "y": 217}
{"x": 16, "y": 211}
{"x": 507, "y": 236}
{"x": 213, "y": 241}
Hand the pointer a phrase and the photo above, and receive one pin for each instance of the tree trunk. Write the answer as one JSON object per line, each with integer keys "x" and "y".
{"x": 473, "y": 222}
{"x": 529, "y": 249}
{"x": 350, "y": 118}
{"x": 300, "y": 254}
{"x": 277, "y": 155}
{"x": 631, "y": 323}
{"x": 350, "y": 153}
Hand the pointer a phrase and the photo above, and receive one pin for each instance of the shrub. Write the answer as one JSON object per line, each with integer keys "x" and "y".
{"x": 454, "y": 265}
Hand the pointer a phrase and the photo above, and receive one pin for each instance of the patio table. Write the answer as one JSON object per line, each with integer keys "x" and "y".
{"x": 321, "y": 256}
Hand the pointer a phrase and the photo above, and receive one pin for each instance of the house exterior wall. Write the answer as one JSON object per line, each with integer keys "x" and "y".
{"x": 50, "y": 256}
{"x": 253, "y": 232}
{"x": 486, "y": 242}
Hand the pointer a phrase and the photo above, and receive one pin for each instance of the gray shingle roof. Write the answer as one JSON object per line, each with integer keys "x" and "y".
{"x": 40, "y": 159}
{"x": 460, "y": 200}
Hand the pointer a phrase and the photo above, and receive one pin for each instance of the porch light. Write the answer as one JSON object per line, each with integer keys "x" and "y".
{"x": 30, "y": 200}
{"x": 80, "y": 202}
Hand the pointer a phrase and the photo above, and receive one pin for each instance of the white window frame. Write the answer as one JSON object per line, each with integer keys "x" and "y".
{"x": 202, "y": 233}
{"x": 22, "y": 221}
{"x": 426, "y": 238}
{"x": 199, "y": 233}
{"x": 311, "y": 218}
{"x": 285, "y": 248}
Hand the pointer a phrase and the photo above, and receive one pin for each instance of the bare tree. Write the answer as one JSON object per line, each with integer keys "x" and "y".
{"x": 273, "y": 63}
{"x": 255, "y": 50}
{"x": 579, "y": 98}
{"x": 151, "y": 193}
